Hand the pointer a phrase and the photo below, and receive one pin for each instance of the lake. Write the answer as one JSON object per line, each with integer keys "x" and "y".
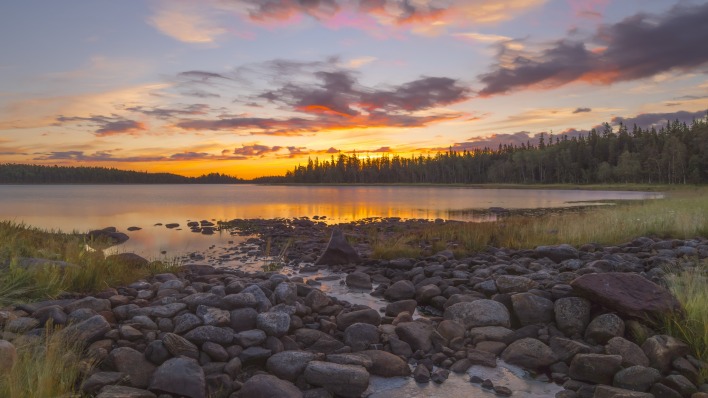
{"x": 84, "y": 207}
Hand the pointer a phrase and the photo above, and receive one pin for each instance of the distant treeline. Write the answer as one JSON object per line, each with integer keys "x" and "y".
{"x": 35, "y": 174}
{"x": 675, "y": 154}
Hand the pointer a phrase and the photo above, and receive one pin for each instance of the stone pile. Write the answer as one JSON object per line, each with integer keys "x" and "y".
{"x": 582, "y": 318}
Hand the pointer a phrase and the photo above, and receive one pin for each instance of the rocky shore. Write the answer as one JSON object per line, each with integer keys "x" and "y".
{"x": 583, "y": 318}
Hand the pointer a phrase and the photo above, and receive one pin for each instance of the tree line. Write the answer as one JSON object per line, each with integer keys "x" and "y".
{"x": 676, "y": 153}
{"x": 36, "y": 174}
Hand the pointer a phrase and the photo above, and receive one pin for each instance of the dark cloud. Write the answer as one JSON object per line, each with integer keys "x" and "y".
{"x": 167, "y": 113}
{"x": 637, "y": 47}
{"x": 515, "y": 139}
{"x": 647, "y": 120}
{"x": 108, "y": 125}
{"x": 190, "y": 156}
{"x": 283, "y": 9}
{"x": 424, "y": 93}
{"x": 101, "y": 156}
{"x": 200, "y": 94}
{"x": 202, "y": 75}
{"x": 582, "y": 110}
{"x": 383, "y": 149}
{"x": 255, "y": 150}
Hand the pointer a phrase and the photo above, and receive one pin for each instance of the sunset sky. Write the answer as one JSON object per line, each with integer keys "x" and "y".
{"x": 253, "y": 87}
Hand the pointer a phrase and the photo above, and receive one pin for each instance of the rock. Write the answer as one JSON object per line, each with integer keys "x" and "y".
{"x": 386, "y": 364}
{"x": 565, "y": 349}
{"x": 264, "y": 303}
{"x": 338, "y": 251}
{"x": 370, "y": 316}
{"x": 680, "y": 384}
{"x": 359, "y": 280}
{"x": 110, "y": 234}
{"x": 439, "y": 375}
{"x": 130, "y": 333}
{"x": 663, "y": 391}
{"x": 157, "y": 353}
{"x": 631, "y": 353}
{"x": 477, "y": 357}
{"x": 342, "y": 380}
{"x": 233, "y": 367}
{"x": 450, "y": 330}
{"x": 98, "y": 380}
{"x": 401, "y": 290}
{"x": 317, "y": 341}
{"x": 89, "y": 330}
{"x": 180, "y": 376}
{"x": 424, "y": 294}
{"x": 636, "y": 378}
{"x": 416, "y": 334}
{"x": 273, "y": 323}
{"x": 21, "y": 325}
{"x": 595, "y": 368}
{"x": 397, "y": 307}
{"x": 514, "y": 284}
{"x": 479, "y": 313}
{"x": 613, "y": 392}
{"x": 529, "y": 353}
{"x": 662, "y": 350}
{"x": 360, "y": 336}
{"x": 604, "y": 327}
{"x": 244, "y": 300}
{"x": 557, "y": 253}
{"x": 186, "y": 322}
{"x": 201, "y": 334}
{"x": 572, "y": 315}
{"x": 213, "y": 316}
{"x": 400, "y": 348}
{"x": 132, "y": 363}
{"x": 627, "y": 293}
{"x": 250, "y": 338}
{"x": 286, "y": 293}
{"x": 289, "y": 365}
{"x": 8, "y": 356}
{"x": 179, "y": 346}
{"x": 128, "y": 259}
{"x": 459, "y": 366}
{"x": 124, "y": 392}
{"x": 317, "y": 300}
{"x": 531, "y": 309}
{"x": 350, "y": 359}
{"x": 421, "y": 374}
{"x": 267, "y": 386}
{"x": 53, "y": 313}
{"x": 243, "y": 319}
{"x": 491, "y": 333}
{"x": 255, "y": 355}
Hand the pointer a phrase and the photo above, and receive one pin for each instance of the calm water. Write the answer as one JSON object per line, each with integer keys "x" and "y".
{"x": 85, "y": 207}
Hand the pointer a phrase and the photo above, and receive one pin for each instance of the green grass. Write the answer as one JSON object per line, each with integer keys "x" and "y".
{"x": 689, "y": 287}
{"x": 48, "y": 366}
{"x": 92, "y": 271}
{"x": 681, "y": 214}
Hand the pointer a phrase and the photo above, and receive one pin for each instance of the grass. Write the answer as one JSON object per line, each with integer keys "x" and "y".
{"x": 91, "y": 271}
{"x": 681, "y": 214}
{"x": 689, "y": 287}
{"x": 47, "y": 366}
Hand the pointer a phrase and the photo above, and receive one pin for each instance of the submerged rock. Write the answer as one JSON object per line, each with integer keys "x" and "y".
{"x": 338, "y": 251}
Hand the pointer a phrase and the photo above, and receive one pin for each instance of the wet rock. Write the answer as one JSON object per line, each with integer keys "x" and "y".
{"x": 595, "y": 368}
{"x": 359, "y": 280}
{"x": 338, "y": 251}
{"x": 109, "y": 233}
{"x": 416, "y": 334}
{"x": 627, "y": 293}
{"x": 479, "y": 313}
{"x": 662, "y": 350}
{"x": 572, "y": 315}
{"x": 636, "y": 378}
{"x": 531, "y": 309}
{"x": 386, "y": 364}
{"x": 529, "y": 353}
{"x": 267, "y": 386}
{"x": 604, "y": 327}
{"x": 342, "y": 380}
{"x": 289, "y": 365}
{"x": 401, "y": 290}
{"x": 180, "y": 376}
{"x": 360, "y": 336}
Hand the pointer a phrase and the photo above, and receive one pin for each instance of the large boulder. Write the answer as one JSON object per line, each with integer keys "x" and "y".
{"x": 268, "y": 386}
{"x": 531, "y": 309}
{"x": 529, "y": 353}
{"x": 386, "y": 364}
{"x": 342, "y": 380}
{"x": 604, "y": 327}
{"x": 479, "y": 313}
{"x": 359, "y": 280}
{"x": 360, "y": 336}
{"x": 89, "y": 330}
{"x": 572, "y": 315}
{"x": 631, "y": 353}
{"x": 289, "y": 365}
{"x": 416, "y": 334}
{"x": 401, "y": 290}
{"x": 338, "y": 251}
{"x": 180, "y": 376}
{"x": 108, "y": 234}
{"x": 132, "y": 363}
{"x": 369, "y": 315}
{"x": 595, "y": 368}
{"x": 274, "y": 323}
{"x": 627, "y": 293}
{"x": 662, "y": 350}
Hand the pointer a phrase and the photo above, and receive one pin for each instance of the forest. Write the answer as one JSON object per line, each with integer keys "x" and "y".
{"x": 676, "y": 153}
{"x": 35, "y": 174}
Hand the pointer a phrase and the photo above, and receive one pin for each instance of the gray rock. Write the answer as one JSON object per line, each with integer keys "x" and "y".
{"x": 614, "y": 392}
{"x": 239, "y": 300}
{"x": 243, "y": 319}
{"x": 557, "y": 253}
{"x": 662, "y": 350}
{"x": 572, "y": 315}
{"x": 529, "y": 353}
{"x": 680, "y": 384}
{"x": 201, "y": 334}
{"x": 401, "y": 290}
{"x": 129, "y": 259}
{"x": 165, "y": 311}
{"x": 450, "y": 330}
{"x": 360, "y": 336}
{"x": 317, "y": 341}
{"x": 636, "y": 378}
{"x": 286, "y": 293}
{"x": 359, "y": 280}
{"x": 531, "y": 309}
{"x": 338, "y": 251}
{"x": 195, "y": 300}
{"x": 273, "y": 323}
{"x": 213, "y": 316}
{"x": 21, "y": 325}
{"x": 132, "y": 363}
{"x": 421, "y": 374}
{"x": 664, "y": 391}
{"x": 342, "y": 380}
{"x": 566, "y": 349}
{"x": 631, "y": 353}
{"x": 425, "y": 293}
{"x": 89, "y": 330}
{"x": 179, "y": 346}
{"x": 264, "y": 303}
{"x": 317, "y": 300}
{"x": 157, "y": 353}
{"x": 351, "y": 359}
{"x": 53, "y": 313}
{"x": 267, "y": 386}
{"x": 124, "y": 392}
{"x": 186, "y": 322}
{"x": 250, "y": 338}
{"x": 180, "y": 376}
{"x": 595, "y": 368}
{"x": 370, "y": 316}
{"x": 604, "y": 327}
{"x": 386, "y": 364}
{"x": 514, "y": 284}
{"x": 98, "y": 380}
{"x": 254, "y": 355}
{"x": 479, "y": 313}
{"x": 416, "y": 334}
{"x": 215, "y": 351}
{"x": 393, "y": 309}
{"x": 289, "y": 365}
{"x": 490, "y": 333}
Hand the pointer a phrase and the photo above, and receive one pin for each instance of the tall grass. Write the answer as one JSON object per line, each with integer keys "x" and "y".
{"x": 47, "y": 366}
{"x": 681, "y": 214}
{"x": 689, "y": 287}
{"x": 91, "y": 271}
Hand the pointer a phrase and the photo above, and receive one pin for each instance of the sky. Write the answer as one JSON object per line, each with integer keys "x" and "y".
{"x": 254, "y": 87}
